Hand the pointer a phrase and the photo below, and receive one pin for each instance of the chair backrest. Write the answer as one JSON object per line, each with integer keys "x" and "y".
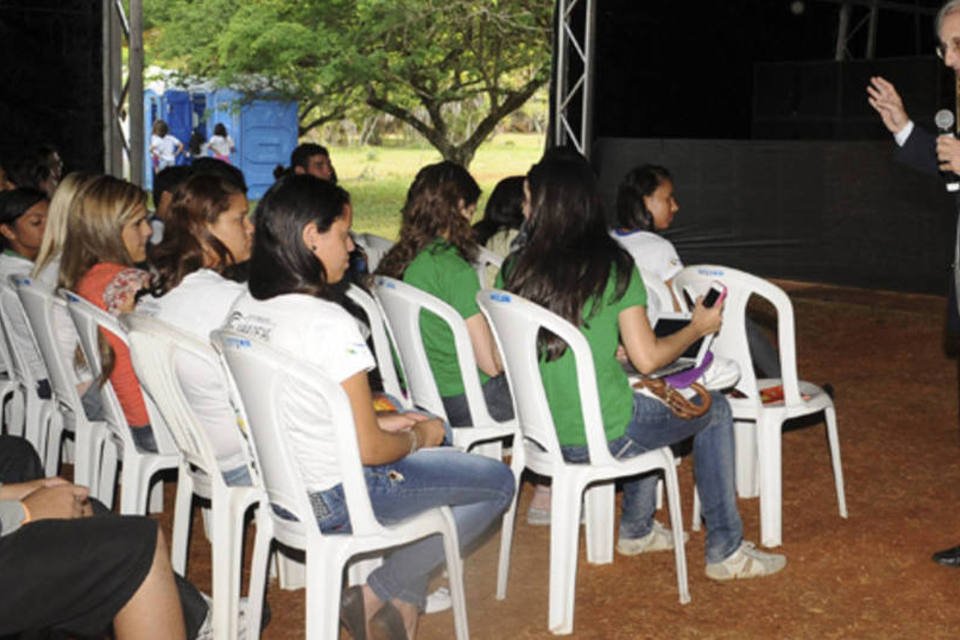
{"x": 731, "y": 341}
{"x": 40, "y": 305}
{"x": 382, "y": 342}
{"x": 403, "y": 305}
{"x": 156, "y": 349}
{"x": 659, "y": 298}
{"x": 486, "y": 264}
{"x": 258, "y": 374}
{"x": 18, "y": 336}
{"x": 516, "y": 323}
{"x": 90, "y": 320}
{"x": 374, "y": 246}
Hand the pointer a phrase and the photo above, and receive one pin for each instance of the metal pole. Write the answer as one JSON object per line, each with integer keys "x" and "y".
{"x": 872, "y": 30}
{"x": 560, "y": 77}
{"x": 135, "y": 95}
{"x": 106, "y": 8}
{"x": 586, "y": 116}
{"x": 842, "y": 28}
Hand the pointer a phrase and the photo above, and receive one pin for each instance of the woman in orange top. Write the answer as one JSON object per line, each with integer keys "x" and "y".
{"x": 107, "y": 232}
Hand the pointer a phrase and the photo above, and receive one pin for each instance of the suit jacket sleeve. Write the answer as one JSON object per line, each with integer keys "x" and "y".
{"x": 919, "y": 151}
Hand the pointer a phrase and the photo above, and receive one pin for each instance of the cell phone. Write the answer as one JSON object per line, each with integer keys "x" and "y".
{"x": 715, "y": 295}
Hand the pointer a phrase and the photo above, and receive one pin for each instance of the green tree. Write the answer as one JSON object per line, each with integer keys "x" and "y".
{"x": 450, "y": 69}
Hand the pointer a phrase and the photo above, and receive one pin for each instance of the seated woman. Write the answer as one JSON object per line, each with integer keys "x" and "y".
{"x": 300, "y": 251}
{"x": 434, "y": 253}
{"x": 502, "y": 218}
{"x": 23, "y": 217}
{"x": 572, "y": 267}
{"x": 208, "y": 231}
{"x": 107, "y": 232}
{"x": 646, "y": 206}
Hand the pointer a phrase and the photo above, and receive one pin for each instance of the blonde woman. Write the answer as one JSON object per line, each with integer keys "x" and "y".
{"x": 107, "y": 232}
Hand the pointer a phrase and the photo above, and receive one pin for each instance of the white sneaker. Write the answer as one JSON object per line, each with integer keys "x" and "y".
{"x": 660, "y": 538}
{"x": 746, "y": 562}
{"x": 439, "y": 600}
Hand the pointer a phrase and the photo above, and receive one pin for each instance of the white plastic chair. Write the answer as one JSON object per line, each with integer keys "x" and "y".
{"x": 374, "y": 246}
{"x": 486, "y": 264}
{"x": 516, "y": 323}
{"x": 37, "y": 413}
{"x": 139, "y": 467}
{"x": 10, "y": 389}
{"x": 40, "y": 304}
{"x": 258, "y": 374}
{"x": 403, "y": 304}
{"x": 382, "y": 344}
{"x": 157, "y": 349}
{"x": 758, "y": 426}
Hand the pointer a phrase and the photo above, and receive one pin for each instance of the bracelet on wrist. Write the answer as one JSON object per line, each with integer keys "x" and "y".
{"x": 414, "y": 441}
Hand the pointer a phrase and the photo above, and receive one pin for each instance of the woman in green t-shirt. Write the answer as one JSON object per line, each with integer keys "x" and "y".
{"x": 434, "y": 253}
{"x": 571, "y": 266}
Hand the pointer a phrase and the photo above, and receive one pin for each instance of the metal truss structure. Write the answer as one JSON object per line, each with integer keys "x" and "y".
{"x": 123, "y": 130}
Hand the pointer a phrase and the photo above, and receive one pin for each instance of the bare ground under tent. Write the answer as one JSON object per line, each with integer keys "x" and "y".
{"x": 866, "y": 577}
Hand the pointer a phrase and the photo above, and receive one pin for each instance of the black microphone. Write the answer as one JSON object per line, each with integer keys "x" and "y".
{"x": 944, "y": 120}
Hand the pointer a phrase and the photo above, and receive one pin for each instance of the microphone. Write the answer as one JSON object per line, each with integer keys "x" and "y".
{"x": 944, "y": 120}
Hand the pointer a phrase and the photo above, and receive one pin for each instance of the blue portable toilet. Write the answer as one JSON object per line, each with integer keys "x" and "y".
{"x": 177, "y": 109}
{"x": 264, "y": 131}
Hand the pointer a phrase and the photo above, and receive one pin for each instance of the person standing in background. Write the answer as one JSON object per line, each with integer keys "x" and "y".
{"x": 918, "y": 148}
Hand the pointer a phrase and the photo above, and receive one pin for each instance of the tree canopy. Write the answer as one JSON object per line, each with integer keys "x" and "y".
{"x": 450, "y": 69}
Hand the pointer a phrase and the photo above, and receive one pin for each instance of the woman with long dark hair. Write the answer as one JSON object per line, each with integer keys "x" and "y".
{"x": 434, "y": 253}
{"x": 571, "y": 266}
{"x": 301, "y": 250}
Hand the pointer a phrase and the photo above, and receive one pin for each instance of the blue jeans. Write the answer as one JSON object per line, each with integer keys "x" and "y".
{"x": 653, "y": 426}
{"x": 496, "y": 392}
{"x": 478, "y": 490}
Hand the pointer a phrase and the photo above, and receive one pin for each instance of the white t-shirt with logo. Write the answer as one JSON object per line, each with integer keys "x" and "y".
{"x": 199, "y": 305}
{"x": 323, "y": 334}
{"x": 656, "y": 257}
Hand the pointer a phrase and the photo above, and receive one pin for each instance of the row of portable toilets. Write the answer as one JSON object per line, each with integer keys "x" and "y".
{"x": 264, "y": 130}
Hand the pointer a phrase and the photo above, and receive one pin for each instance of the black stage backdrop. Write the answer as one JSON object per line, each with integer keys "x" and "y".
{"x": 51, "y": 79}
{"x": 781, "y": 167}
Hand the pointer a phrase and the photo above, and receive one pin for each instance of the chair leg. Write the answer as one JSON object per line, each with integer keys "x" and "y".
{"x": 182, "y": 513}
{"x": 323, "y": 594}
{"x": 451, "y": 548}
{"x": 107, "y": 482}
{"x": 676, "y": 523}
{"x": 507, "y": 528}
{"x": 695, "y": 516}
{"x": 599, "y": 505}
{"x": 769, "y": 435}
{"x": 259, "y": 567}
{"x": 54, "y": 444}
{"x": 564, "y": 536}
{"x": 226, "y": 551}
{"x": 745, "y": 441}
{"x": 834, "y": 440}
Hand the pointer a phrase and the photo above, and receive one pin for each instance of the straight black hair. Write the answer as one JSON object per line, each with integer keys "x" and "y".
{"x": 281, "y": 262}
{"x": 640, "y": 182}
{"x": 504, "y": 209}
{"x": 569, "y": 256}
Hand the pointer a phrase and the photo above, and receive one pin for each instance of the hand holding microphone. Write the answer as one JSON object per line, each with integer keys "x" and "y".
{"x": 948, "y": 150}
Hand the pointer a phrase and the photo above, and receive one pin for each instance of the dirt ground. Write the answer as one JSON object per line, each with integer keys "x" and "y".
{"x": 868, "y": 576}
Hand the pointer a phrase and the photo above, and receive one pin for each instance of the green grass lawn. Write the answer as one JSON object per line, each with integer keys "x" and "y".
{"x": 378, "y": 177}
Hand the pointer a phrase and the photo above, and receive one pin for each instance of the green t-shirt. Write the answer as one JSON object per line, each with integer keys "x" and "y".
{"x": 603, "y": 336}
{"x": 440, "y": 271}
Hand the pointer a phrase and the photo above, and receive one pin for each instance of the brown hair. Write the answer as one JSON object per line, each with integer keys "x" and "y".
{"x": 196, "y": 203}
{"x": 433, "y": 209}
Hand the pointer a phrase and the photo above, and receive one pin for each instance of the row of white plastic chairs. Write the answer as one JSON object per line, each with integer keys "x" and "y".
{"x": 507, "y": 314}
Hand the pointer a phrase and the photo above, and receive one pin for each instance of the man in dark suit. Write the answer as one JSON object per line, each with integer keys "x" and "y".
{"x": 920, "y": 149}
